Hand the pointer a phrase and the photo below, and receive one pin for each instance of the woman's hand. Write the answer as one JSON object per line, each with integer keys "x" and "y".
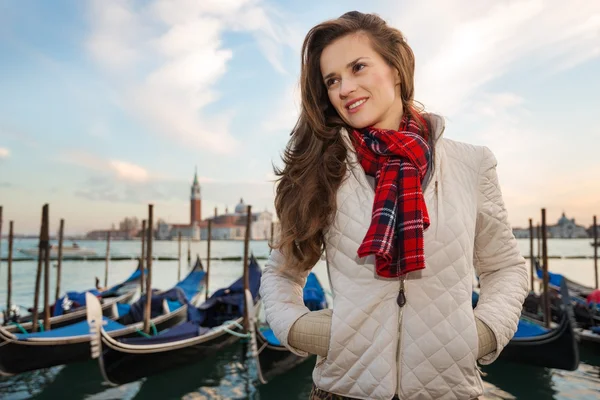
{"x": 487, "y": 340}
{"x": 311, "y": 332}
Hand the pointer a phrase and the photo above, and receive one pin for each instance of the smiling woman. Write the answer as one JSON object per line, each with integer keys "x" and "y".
{"x": 364, "y": 91}
{"x": 406, "y": 217}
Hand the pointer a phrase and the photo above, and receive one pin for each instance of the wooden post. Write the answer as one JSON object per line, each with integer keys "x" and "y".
{"x": 547, "y": 316}
{"x": 539, "y": 240}
{"x": 38, "y": 274}
{"x": 107, "y": 260}
{"x": 1, "y": 240}
{"x": 47, "y": 273}
{"x": 531, "y": 255}
{"x": 149, "y": 266}
{"x": 61, "y": 233}
{"x": 246, "y": 274}
{"x": 208, "y": 258}
{"x": 143, "y": 257}
{"x": 272, "y": 239}
{"x": 9, "y": 272}
{"x": 189, "y": 255}
{"x": 596, "y": 251}
{"x": 179, "y": 258}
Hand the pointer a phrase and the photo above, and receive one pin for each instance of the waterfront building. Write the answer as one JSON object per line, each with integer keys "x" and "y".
{"x": 564, "y": 228}
{"x": 228, "y": 226}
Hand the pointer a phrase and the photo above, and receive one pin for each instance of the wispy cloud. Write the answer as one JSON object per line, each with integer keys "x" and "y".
{"x": 471, "y": 46}
{"x": 4, "y": 153}
{"x": 118, "y": 170}
{"x": 111, "y": 170}
{"x": 168, "y": 56}
{"x": 286, "y": 110}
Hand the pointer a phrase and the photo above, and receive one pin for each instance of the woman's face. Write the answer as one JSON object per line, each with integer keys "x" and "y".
{"x": 362, "y": 87}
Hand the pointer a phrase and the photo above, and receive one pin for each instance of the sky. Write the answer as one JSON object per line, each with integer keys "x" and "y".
{"x": 107, "y": 106}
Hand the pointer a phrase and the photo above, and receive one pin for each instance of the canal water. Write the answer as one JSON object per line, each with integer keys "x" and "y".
{"x": 224, "y": 376}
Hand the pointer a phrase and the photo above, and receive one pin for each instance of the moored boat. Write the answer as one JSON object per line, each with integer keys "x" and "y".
{"x": 555, "y": 347}
{"x": 70, "y": 308}
{"x": 67, "y": 251}
{"x": 210, "y": 327}
{"x": 21, "y": 352}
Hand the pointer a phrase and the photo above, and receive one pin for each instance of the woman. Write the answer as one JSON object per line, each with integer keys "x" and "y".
{"x": 404, "y": 218}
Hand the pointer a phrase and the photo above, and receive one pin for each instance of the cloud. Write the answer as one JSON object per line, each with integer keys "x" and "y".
{"x": 287, "y": 111}
{"x": 166, "y": 57}
{"x": 464, "y": 47}
{"x": 4, "y": 153}
{"x": 128, "y": 172}
{"x": 105, "y": 188}
{"x": 117, "y": 170}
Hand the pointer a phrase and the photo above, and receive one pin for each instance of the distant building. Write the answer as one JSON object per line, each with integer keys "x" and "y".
{"x": 114, "y": 234}
{"x": 521, "y": 233}
{"x": 228, "y": 226}
{"x": 166, "y": 231}
{"x": 232, "y": 226}
{"x": 566, "y": 228}
{"x": 590, "y": 231}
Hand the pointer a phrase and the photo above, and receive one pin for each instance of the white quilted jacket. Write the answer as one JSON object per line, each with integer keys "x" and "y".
{"x": 428, "y": 348}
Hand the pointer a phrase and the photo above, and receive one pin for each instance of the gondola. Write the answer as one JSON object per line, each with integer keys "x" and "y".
{"x": 31, "y": 351}
{"x": 210, "y": 327}
{"x": 70, "y": 308}
{"x": 272, "y": 358}
{"x": 557, "y": 347}
{"x": 587, "y": 316}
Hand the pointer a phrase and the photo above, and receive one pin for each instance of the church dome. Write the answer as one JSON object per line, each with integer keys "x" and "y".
{"x": 563, "y": 220}
{"x": 241, "y": 207}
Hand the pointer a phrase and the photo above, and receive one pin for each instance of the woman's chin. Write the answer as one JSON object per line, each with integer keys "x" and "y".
{"x": 359, "y": 122}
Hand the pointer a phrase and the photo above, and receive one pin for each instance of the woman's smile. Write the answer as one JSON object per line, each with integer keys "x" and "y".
{"x": 354, "y": 106}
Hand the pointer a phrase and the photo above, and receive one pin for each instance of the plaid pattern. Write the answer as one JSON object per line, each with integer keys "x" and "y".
{"x": 398, "y": 161}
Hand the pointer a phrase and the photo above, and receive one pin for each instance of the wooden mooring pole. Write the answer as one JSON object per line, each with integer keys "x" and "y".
{"x": 143, "y": 257}
{"x": 531, "y": 255}
{"x": 179, "y": 257}
{"x": 189, "y": 252}
{"x": 46, "y": 239}
{"x": 61, "y": 233}
{"x": 38, "y": 273}
{"x": 271, "y": 240}
{"x": 547, "y": 316}
{"x": 107, "y": 261}
{"x": 596, "y": 251}
{"x": 1, "y": 240}
{"x": 246, "y": 272}
{"x": 9, "y": 272}
{"x": 149, "y": 266}
{"x": 539, "y": 241}
{"x": 208, "y": 258}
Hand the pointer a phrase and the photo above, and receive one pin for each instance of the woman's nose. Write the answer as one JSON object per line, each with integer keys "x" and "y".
{"x": 347, "y": 86}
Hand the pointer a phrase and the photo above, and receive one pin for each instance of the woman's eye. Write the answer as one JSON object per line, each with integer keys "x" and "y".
{"x": 358, "y": 67}
{"x": 330, "y": 82}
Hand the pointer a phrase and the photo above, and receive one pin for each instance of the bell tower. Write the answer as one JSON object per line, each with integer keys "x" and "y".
{"x": 195, "y": 201}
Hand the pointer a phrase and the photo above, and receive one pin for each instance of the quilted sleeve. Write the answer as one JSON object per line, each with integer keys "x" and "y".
{"x": 282, "y": 297}
{"x": 501, "y": 268}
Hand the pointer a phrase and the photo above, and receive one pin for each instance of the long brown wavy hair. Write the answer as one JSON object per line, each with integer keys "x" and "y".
{"x": 315, "y": 157}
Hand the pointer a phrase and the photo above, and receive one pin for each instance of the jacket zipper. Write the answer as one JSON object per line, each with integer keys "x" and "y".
{"x": 401, "y": 300}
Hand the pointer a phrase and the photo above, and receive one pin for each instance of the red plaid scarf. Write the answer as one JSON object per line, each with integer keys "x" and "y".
{"x": 398, "y": 160}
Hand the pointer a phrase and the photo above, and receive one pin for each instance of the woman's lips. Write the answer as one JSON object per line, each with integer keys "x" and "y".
{"x": 355, "y": 106}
